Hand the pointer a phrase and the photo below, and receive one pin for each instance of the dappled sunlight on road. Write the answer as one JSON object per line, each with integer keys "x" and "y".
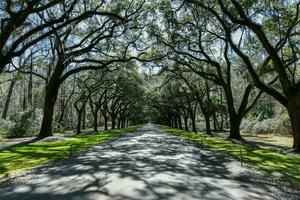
{"x": 146, "y": 164}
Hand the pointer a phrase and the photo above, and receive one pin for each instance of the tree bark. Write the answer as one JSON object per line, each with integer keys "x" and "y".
{"x": 30, "y": 82}
{"x": 113, "y": 123}
{"x": 179, "y": 122}
{"x": 175, "y": 122}
{"x": 95, "y": 123}
{"x": 105, "y": 123}
{"x": 83, "y": 117}
{"x": 207, "y": 123}
{"x": 221, "y": 112}
{"x": 294, "y": 113}
{"x": 235, "y": 122}
{"x": 24, "y": 102}
{"x": 119, "y": 123}
{"x": 193, "y": 118}
{"x": 79, "y": 119}
{"x": 8, "y": 98}
{"x": 234, "y": 118}
{"x": 215, "y": 121}
{"x": 186, "y": 123}
{"x": 50, "y": 99}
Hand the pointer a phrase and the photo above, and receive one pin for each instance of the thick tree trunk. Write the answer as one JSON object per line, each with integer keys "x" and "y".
{"x": 186, "y": 123}
{"x": 294, "y": 113}
{"x": 50, "y": 99}
{"x": 234, "y": 118}
{"x": 179, "y": 122}
{"x": 193, "y": 119}
{"x": 235, "y": 123}
{"x": 105, "y": 123}
{"x": 113, "y": 122}
{"x": 95, "y": 123}
{"x": 79, "y": 119}
{"x": 8, "y": 98}
{"x": 207, "y": 124}
{"x": 215, "y": 122}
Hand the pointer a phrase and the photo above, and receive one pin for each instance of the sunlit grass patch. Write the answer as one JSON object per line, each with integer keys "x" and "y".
{"x": 26, "y": 156}
{"x": 280, "y": 166}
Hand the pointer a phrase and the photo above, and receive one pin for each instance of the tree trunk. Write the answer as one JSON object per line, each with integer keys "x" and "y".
{"x": 215, "y": 122}
{"x": 24, "y": 103}
{"x": 221, "y": 112}
{"x": 83, "y": 117}
{"x": 175, "y": 122}
{"x": 294, "y": 113}
{"x": 79, "y": 119}
{"x": 193, "y": 119}
{"x": 8, "y": 98}
{"x": 95, "y": 124}
{"x": 30, "y": 83}
{"x": 50, "y": 99}
{"x": 186, "y": 123}
{"x": 234, "y": 118}
{"x": 124, "y": 123}
{"x": 105, "y": 123}
{"x": 179, "y": 122}
{"x": 119, "y": 123}
{"x": 207, "y": 124}
{"x": 113, "y": 122}
{"x": 235, "y": 122}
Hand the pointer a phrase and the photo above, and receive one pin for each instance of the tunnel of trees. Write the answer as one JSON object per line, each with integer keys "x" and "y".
{"x": 199, "y": 65}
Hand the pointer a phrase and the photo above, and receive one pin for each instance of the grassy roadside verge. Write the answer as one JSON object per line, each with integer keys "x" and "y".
{"x": 27, "y": 156}
{"x": 279, "y": 166}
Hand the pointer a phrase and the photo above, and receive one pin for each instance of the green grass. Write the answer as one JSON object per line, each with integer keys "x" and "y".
{"x": 27, "y": 156}
{"x": 277, "y": 165}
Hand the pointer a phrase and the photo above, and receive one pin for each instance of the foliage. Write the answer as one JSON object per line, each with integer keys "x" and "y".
{"x": 271, "y": 125}
{"x": 5, "y": 127}
{"x": 23, "y": 124}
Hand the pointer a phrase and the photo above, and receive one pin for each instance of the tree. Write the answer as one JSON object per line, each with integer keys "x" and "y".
{"x": 194, "y": 45}
{"x": 278, "y": 45}
{"x": 106, "y": 41}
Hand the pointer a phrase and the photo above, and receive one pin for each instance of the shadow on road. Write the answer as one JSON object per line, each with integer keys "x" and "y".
{"x": 143, "y": 165}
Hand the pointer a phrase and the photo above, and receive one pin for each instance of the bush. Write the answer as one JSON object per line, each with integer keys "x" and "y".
{"x": 5, "y": 127}
{"x": 273, "y": 125}
{"x": 59, "y": 129}
{"x": 23, "y": 124}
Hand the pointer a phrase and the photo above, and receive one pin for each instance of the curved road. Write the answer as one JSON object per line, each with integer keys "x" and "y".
{"x": 146, "y": 164}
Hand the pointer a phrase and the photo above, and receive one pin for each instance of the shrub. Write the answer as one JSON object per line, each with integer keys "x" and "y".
{"x": 272, "y": 125}
{"x": 59, "y": 129}
{"x": 26, "y": 123}
{"x": 5, "y": 127}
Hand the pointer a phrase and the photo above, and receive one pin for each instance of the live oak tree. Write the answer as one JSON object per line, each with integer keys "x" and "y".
{"x": 200, "y": 90}
{"x": 204, "y": 51}
{"x": 173, "y": 103}
{"x": 22, "y": 24}
{"x": 91, "y": 43}
{"x": 117, "y": 94}
{"x": 275, "y": 27}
